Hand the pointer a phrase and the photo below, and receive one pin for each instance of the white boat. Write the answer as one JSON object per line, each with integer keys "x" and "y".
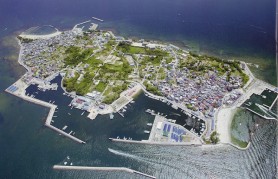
{"x": 149, "y": 124}
{"x": 82, "y": 113}
{"x": 147, "y": 132}
{"x": 71, "y": 163}
{"x": 65, "y": 163}
{"x": 69, "y": 113}
{"x": 111, "y": 116}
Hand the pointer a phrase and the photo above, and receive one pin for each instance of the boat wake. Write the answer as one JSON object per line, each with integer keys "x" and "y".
{"x": 121, "y": 153}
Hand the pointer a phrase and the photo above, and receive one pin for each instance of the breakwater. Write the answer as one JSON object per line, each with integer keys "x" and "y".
{"x": 86, "y": 168}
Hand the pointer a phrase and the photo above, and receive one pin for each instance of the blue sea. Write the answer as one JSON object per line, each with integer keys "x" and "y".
{"x": 232, "y": 29}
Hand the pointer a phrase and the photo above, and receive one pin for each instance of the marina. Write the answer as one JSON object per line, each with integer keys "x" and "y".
{"x": 21, "y": 93}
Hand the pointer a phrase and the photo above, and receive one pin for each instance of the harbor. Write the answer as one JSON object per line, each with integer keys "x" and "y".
{"x": 18, "y": 89}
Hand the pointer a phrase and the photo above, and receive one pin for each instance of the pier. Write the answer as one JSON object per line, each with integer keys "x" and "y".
{"x": 153, "y": 143}
{"x": 157, "y": 135}
{"x": 87, "y": 168}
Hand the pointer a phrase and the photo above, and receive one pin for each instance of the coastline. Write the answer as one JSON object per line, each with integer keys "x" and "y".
{"x": 224, "y": 116}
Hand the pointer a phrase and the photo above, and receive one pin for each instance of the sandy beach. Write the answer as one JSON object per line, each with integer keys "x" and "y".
{"x": 223, "y": 123}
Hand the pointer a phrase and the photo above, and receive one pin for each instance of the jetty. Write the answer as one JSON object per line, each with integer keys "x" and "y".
{"x": 87, "y": 168}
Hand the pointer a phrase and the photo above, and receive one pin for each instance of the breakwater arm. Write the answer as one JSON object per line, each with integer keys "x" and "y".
{"x": 87, "y": 168}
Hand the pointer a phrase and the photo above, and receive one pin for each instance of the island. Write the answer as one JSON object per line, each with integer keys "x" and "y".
{"x": 103, "y": 73}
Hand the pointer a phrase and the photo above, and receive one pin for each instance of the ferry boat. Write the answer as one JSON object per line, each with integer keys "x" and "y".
{"x": 147, "y": 132}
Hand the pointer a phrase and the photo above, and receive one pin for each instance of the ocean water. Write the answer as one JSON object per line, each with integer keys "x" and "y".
{"x": 238, "y": 29}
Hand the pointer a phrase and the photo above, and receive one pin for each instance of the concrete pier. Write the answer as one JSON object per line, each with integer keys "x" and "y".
{"x": 87, "y": 168}
{"x": 154, "y": 143}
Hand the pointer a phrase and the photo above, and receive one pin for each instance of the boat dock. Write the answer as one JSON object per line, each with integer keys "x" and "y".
{"x": 93, "y": 26}
{"x": 87, "y": 168}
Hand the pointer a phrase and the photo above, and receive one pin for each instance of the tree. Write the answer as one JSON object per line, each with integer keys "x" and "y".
{"x": 214, "y": 137}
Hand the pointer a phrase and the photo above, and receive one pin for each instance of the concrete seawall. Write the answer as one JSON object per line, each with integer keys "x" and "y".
{"x": 87, "y": 168}
{"x": 154, "y": 143}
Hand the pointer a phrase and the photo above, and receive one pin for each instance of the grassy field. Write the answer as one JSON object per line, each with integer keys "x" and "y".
{"x": 239, "y": 143}
{"x": 136, "y": 50}
{"x": 100, "y": 86}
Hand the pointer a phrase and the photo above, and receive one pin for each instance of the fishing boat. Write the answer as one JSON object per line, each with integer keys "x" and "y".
{"x": 111, "y": 116}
